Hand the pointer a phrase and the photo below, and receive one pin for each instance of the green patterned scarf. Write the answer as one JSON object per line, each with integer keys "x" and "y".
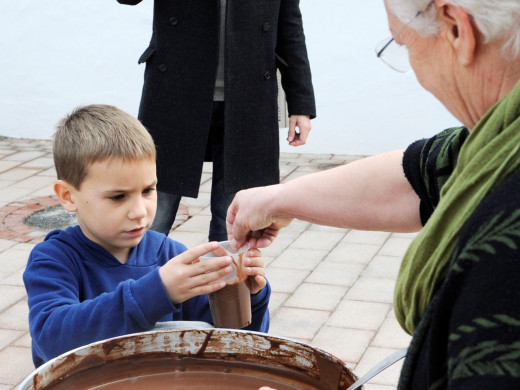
{"x": 489, "y": 155}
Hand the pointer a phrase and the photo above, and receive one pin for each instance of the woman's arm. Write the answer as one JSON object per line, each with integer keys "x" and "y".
{"x": 369, "y": 194}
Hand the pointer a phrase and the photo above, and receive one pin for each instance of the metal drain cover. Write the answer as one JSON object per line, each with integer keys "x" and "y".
{"x": 54, "y": 217}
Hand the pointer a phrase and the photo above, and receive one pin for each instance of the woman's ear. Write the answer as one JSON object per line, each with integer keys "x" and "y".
{"x": 64, "y": 192}
{"x": 459, "y": 31}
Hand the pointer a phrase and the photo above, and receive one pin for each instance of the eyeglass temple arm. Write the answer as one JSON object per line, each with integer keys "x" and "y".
{"x": 378, "y": 54}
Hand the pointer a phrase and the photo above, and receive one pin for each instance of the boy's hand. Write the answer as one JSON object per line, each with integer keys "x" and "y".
{"x": 185, "y": 276}
{"x": 254, "y": 269}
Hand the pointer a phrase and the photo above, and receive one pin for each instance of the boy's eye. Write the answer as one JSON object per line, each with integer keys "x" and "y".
{"x": 116, "y": 198}
{"x": 148, "y": 191}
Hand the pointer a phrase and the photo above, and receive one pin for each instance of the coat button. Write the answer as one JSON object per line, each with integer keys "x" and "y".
{"x": 266, "y": 27}
{"x": 267, "y": 75}
{"x": 174, "y": 21}
{"x": 162, "y": 67}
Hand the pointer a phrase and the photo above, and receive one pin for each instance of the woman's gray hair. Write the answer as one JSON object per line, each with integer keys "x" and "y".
{"x": 496, "y": 19}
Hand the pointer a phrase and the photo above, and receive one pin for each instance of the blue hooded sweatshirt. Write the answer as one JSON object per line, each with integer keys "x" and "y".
{"x": 78, "y": 293}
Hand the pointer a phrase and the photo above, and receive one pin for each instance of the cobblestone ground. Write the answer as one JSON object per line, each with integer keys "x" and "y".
{"x": 332, "y": 287}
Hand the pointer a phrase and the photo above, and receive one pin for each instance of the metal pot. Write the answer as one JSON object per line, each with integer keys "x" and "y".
{"x": 214, "y": 358}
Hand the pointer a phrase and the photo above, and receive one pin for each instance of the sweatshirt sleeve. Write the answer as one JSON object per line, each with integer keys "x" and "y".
{"x": 60, "y": 320}
{"x": 260, "y": 310}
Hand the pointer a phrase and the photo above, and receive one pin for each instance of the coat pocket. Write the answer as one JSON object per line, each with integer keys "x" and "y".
{"x": 146, "y": 54}
{"x": 280, "y": 61}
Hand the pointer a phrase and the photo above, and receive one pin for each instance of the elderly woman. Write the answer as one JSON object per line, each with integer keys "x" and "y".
{"x": 457, "y": 291}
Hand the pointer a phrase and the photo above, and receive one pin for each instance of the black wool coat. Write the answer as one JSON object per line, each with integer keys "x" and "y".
{"x": 179, "y": 81}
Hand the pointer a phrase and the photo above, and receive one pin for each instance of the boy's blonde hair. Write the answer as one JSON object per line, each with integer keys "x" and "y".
{"x": 94, "y": 133}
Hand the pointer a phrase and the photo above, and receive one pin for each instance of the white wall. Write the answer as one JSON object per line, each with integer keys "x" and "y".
{"x": 59, "y": 54}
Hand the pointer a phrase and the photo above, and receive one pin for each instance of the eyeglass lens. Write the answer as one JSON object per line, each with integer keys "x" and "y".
{"x": 394, "y": 55}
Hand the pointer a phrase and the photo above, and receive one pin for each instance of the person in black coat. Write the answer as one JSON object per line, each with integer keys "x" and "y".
{"x": 210, "y": 94}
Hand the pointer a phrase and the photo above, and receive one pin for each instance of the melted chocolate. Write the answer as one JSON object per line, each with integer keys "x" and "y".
{"x": 210, "y": 359}
{"x": 152, "y": 372}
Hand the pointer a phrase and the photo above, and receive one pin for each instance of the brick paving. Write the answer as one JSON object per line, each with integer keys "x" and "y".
{"x": 332, "y": 287}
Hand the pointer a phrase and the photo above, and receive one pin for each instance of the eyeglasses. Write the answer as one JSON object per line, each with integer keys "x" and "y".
{"x": 396, "y": 56}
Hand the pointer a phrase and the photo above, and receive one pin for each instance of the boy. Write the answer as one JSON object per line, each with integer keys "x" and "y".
{"x": 109, "y": 275}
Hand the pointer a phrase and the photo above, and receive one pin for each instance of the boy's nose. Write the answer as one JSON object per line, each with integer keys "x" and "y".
{"x": 138, "y": 209}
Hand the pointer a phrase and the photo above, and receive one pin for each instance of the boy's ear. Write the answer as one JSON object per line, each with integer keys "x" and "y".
{"x": 460, "y": 31}
{"x": 64, "y": 191}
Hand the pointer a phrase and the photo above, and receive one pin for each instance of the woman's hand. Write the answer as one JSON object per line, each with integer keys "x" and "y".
{"x": 249, "y": 218}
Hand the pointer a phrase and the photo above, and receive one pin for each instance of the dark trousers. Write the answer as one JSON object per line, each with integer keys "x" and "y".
{"x": 168, "y": 204}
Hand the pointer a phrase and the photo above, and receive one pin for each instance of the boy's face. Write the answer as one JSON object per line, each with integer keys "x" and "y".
{"x": 116, "y": 203}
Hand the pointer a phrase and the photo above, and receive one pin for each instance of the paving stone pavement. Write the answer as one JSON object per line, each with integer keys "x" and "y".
{"x": 332, "y": 287}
